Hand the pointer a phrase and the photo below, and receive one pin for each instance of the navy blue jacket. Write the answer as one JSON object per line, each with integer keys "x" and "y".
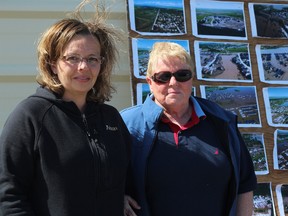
{"x": 142, "y": 122}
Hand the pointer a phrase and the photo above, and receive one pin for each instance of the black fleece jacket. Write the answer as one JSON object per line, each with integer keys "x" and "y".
{"x": 56, "y": 161}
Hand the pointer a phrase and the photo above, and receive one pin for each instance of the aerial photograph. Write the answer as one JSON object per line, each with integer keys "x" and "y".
{"x": 216, "y": 18}
{"x": 223, "y": 61}
{"x": 141, "y": 48}
{"x": 276, "y": 104}
{"x": 256, "y": 147}
{"x": 281, "y": 149}
{"x": 241, "y": 100}
{"x": 282, "y": 198}
{"x": 272, "y": 63}
{"x": 157, "y": 17}
{"x": 263, "y": 200}
{"x": 269, "y": 20}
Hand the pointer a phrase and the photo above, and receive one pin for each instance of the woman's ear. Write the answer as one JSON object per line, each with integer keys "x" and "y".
{"x": 148, "y": 80}
{"x": 53, "y": 68}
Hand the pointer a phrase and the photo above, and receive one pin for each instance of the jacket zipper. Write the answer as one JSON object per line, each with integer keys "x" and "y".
{"x": 94, "y": 150}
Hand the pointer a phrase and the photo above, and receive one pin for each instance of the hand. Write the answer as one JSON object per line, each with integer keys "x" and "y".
{"x": 129, "y": 204}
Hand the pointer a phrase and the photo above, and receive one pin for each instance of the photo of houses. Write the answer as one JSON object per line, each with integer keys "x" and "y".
{"x": 280, "y": 153}
{"x": 219, "y": 61}
{"x": 276, "y": 104}
{"x": 141, "y": 48}
{"x": 241, "y": 100}
{"x": 163, "y": 17}
{"x": 263, "y": 200}
{"x": 256, "y": 148}
{"x": 272, "y": 63}
{"x": 218, "y": 19}
{"x": 269, "y": 20}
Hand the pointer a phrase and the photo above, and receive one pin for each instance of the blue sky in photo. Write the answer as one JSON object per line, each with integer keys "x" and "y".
{"x": 159, "y": 3}
{"x": 278, "y": 92}
{"x": 148, "y": 43}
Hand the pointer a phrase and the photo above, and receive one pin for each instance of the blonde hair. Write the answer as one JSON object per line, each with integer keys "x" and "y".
{"x": 53, "y": 41}
{"x": 164, "y": 50}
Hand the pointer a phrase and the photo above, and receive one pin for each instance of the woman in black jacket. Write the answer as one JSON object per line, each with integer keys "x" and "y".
{"x": 63, "y": 152}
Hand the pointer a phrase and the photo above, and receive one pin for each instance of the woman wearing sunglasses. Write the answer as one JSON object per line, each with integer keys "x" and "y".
{"x": 188, "y": 157}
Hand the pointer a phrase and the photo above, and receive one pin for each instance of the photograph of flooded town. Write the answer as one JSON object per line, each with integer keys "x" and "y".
{"x": 219, "y": 61}
{"x": 263, "y": 200}
{"x": 281, "y": 149}
{"x": 140, "y": 50}
{"x": 276, "y": 104}
{"x": 269, "y": 20}
{"x": 256, "y": 147}
{"x": 282, "y": 198}
{"x": 216, "y": 18}
{"x": 272, "y": 63}
{"x": 241, "y": 100}
{"x": 157, "y": 17}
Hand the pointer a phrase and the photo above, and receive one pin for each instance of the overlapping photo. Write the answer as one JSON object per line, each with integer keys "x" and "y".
{"x": 280, "y": 151}
{"x": 256, "y": 148}
{"x": 269, "y": 20}
{"x": 140, "y": 51}
{"x": 276, "y": 105}
{"x": 240, "y": 100}
{"x": 218, "y": 19}
{"x": 142, "y": 90}
{"x": 272, "y": 63}
{"x": 282, "y": 198}
{"x": 223, "y": 61}
{"x": 162, "y": 17}
{"x": 263, "y": 202}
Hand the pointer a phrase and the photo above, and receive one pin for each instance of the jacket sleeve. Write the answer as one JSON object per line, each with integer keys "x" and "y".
{"x": 16, "y": 165}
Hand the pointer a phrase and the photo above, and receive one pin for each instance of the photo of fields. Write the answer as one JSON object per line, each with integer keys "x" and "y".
{"x": 263, "y": 200}
{"x": 162, "y": 17}
{"x": 256, "y": 148}
{"x": 218, "y": 61}
{"x": 241, "y": 100}
{"x": 276, "y": 103}
{"x": 271, "y": 20}
{"x": 273, "y": 63}
{"x": 218, "y": 19}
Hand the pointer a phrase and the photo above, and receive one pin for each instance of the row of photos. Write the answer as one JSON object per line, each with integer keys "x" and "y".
{"x": 228, "y": 62}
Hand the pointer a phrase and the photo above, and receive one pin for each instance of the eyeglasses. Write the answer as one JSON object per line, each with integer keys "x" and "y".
{"x": 165, "y": 76}
{"x": 76, "y": 59}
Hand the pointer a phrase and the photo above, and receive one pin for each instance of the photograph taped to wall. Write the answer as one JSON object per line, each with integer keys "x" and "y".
{"x": 240, "y": 100}
{"x": 268, "y": 20}
{"x": 142, "y": 90}
{"x": 219, "y": 20}
{"x": 263, "y": 202}
{"x": 256, "y": 148}
{"x": 140, "y": 51}
{"x": 276, "y": 105}
{"x": 162, "y": 17}
{"x": 280, "y": 150}
{"x": 223, "y": 61}
{"x": 282, "y": 198}
{"x": 272, "y": 63}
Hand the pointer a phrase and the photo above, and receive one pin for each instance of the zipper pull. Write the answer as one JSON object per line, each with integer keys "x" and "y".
{"x": 85, "y": 124}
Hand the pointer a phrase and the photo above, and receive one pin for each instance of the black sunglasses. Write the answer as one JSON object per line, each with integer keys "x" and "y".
{"x": 165, "y": 76}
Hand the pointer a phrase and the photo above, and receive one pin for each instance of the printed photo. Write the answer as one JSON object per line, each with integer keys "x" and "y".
{"x": 263, "y": 200}
{"x": 218, "y": 19}
{"x": 219, "y": 61}
{"x": 276, "y": 105}
{"x": 269, "y": 20}
{"x": 240, "y": 100}
{"x": 140, "y": 52}
{"x": 282, "y": 198}
{"x": 162, "y": 17}
{"x": 256, "y": 147}
{"x": 280, "y": 151}
{"x": 272, "y": 63}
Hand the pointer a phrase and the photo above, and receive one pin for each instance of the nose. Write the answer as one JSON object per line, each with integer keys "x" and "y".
{"x": 173, "y": 81}
{"x": 83, "y": 64}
